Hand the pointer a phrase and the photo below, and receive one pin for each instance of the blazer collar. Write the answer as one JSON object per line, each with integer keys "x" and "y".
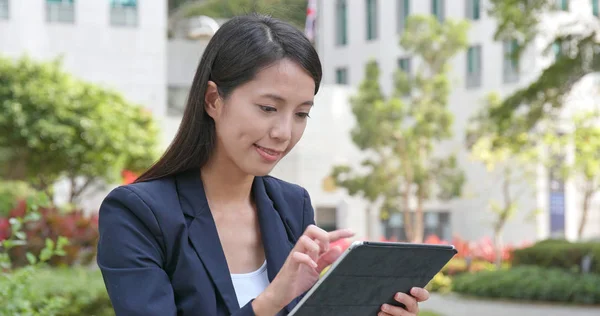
{"x": 203, "y": 235}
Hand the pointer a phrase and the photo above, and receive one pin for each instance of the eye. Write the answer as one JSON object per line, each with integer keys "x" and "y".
{"x": 303, "y": 115}
{"x": 267, "y": 108}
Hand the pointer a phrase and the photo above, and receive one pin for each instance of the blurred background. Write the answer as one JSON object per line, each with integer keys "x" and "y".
{"x": 470, "y": 122}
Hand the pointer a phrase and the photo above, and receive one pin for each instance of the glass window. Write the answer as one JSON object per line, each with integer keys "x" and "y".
{"x": 326, "y": 218}
{"x": 371, "y": 19}
{"x": 123, "y": 12}
{"x": 61, "y": 11}
{"x": 557, "y": 49}
{"x": 176, "y": 100}
{"x": 473, "y": 8}
{"x": 437, "y": 9}
{"x": 404, "y": 64}
{"x": 4, "y": 10}
{"x": 403, "y": 13}
{"x": 562, "y": 5}
{"x": 595, "y": 8}
{"x": 474, "y": 66}
{"x": 341, "y": 75}
{"x": 510, "y": 66}
{"x": 342, "y": 22}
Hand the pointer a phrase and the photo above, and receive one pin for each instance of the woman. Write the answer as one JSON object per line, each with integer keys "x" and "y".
{"x": 205, "y": 231}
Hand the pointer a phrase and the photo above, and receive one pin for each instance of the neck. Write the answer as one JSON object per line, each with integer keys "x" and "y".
{"x": 224, "y": 183}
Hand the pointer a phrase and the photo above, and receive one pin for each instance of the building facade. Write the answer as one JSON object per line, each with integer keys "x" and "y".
{"x": 120, "y": 44}
{"x": 352, "y": 32}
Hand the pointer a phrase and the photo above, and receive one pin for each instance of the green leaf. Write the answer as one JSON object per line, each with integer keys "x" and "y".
{"x": 31, "y": 258}
{"x": 21, "y": 235}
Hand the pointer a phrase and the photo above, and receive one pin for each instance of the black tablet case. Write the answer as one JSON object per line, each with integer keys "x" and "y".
{"x": 371, "y": 274}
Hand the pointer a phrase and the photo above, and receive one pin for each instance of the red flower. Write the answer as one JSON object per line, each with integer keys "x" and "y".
{"x": 128, "y": 176}
{"x": 4, "y": 229}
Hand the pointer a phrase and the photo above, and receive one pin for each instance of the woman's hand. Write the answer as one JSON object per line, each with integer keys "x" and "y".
{"x": 411, "y": 303}
{"x": 301, "y": 270}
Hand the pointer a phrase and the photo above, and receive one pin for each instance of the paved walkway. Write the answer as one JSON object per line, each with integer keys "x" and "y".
{"x": 455, "y": 305}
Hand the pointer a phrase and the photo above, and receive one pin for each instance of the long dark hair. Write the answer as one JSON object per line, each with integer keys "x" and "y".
{"x": 239, "y": 49}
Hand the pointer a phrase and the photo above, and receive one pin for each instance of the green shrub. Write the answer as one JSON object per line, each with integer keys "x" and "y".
{"x": 559, "y": 254}
{"x": 531, "y": 283}
{"x": 459, "y": 265}
{"x": 56, "y": 291}
{"x": 440, "y": 283}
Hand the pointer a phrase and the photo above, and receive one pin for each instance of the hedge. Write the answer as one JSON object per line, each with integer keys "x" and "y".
{"x": 81, "y": 289}
{"x": 531, "y": 283}
{"x": 559, "y": 254}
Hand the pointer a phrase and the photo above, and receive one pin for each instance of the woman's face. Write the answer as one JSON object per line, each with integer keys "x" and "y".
{"x": 263, "y": 119}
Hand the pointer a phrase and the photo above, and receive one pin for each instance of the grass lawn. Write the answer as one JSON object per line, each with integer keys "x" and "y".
{"x": 428, "y": 313}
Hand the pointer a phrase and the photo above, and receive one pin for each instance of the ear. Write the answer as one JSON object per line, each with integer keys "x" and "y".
{"x": 212, "y": 100}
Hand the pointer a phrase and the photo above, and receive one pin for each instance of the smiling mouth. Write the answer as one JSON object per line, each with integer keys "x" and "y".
{"x": 268, "y": 154}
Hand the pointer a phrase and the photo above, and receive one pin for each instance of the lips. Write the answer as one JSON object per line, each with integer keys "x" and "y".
{"x": 268, "y": 154}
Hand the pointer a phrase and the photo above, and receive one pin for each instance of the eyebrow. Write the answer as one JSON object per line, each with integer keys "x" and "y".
{"x": 281, "y": 99}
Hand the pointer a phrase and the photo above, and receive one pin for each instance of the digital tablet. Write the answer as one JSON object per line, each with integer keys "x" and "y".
{"x": 368, "y": 274}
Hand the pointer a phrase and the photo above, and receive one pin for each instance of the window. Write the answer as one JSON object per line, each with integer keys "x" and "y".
{"x": 473, "y": 8}
{"x": 438, "y": 9}
{"x": 176, "y": 100}
{"x": 596, "y": 8}
{"x": 403, "y": 13}
{"x": 557, "y": 49}
{"x": 371, "y": 19}
{"x": 341, "y": 75}
{"x": 123, "y": 12}
{"x": 4, "y": 10}
{"x": 326, "y": 218}
{"x": 435, "y": 223}
{"x": 61, "y": 11}
{"x": 510, "y": 66}
{"x": 474, "y": 66}
{"x": 404, "y": 64}
{"x": 562, "y": 5}
{"x": 341, "y": 23}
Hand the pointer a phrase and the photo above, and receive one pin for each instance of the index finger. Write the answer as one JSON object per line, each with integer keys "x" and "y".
{"x": 339, "y": 234}
{"x": 318, "y": 234}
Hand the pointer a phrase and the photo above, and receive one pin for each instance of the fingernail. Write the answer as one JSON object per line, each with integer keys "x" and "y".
{"x": 385, "y": 307}
{"x": 398, "y": 295}
{"x": 314, "y": 264}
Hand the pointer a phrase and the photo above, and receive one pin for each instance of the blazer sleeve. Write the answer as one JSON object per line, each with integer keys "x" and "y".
{"x": 131, "y": 258}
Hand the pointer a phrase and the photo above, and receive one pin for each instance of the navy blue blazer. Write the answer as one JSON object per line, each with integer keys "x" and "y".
{"x": 160, "y": 254}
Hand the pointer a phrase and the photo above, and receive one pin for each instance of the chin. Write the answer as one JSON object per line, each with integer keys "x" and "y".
{"x": 260, "y": 171}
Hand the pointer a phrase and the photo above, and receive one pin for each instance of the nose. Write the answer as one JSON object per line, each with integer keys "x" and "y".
{"x": 282, "y": 129}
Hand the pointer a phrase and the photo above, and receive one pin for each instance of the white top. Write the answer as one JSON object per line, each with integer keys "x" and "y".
{"x": 249, "y": 285}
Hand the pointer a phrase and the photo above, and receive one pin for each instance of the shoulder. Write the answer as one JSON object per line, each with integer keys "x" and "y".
{"x": 144, "y": 201}
{"x": 287, "y": 189}
{"x": 149, "y": 192}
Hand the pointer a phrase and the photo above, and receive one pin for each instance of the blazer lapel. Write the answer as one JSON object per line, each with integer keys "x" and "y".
{"x": 274, "y": 235}
{"x": 204, "y": 236}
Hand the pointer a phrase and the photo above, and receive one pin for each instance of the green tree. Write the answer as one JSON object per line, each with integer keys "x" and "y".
{"x": 515, "y": 168}
{"x": 574, "y": 47}
{"x": 584, "y": 168}
{"x": 54, "y": 125}
{"x": 398, "y": 133}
